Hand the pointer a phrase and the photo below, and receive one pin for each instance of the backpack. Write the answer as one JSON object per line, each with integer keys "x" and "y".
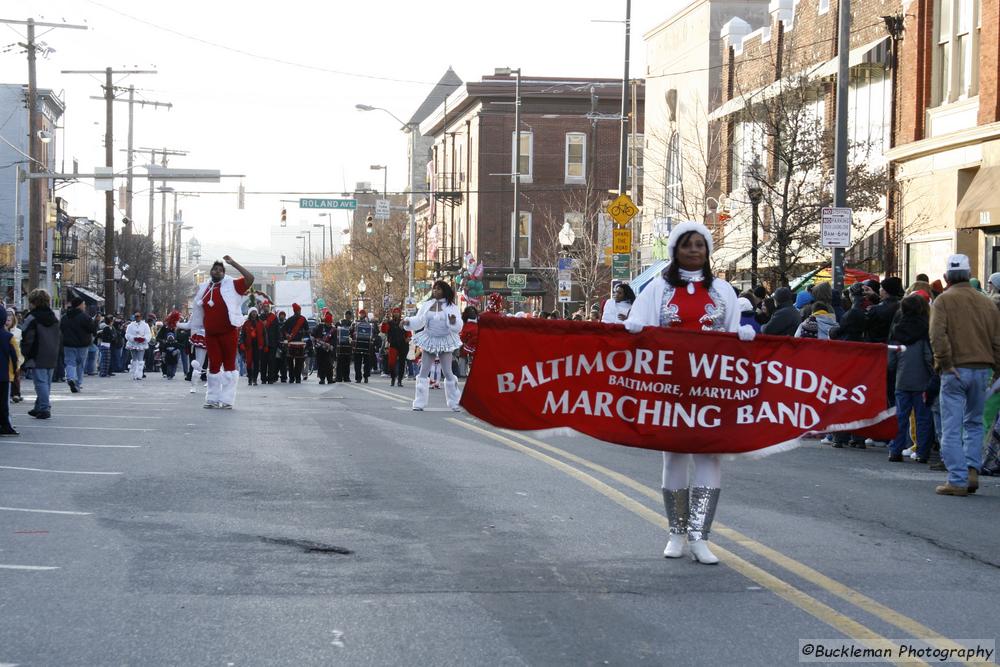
{"x": 810, "y": 328}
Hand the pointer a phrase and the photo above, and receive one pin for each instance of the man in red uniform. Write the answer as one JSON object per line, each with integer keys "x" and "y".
{"x": 216, "y": 308}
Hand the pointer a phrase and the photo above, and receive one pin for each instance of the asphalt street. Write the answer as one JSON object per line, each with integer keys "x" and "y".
{"x": 319, "y": 525}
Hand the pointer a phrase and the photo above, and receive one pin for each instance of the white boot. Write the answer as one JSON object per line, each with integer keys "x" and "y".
{"x": 137, "y": 368}
{"x": 453, "y": 394}
{"x": 214, "y": 387}
{"x": 675, "y": 501}
{"x": 423, "y": 386}
{"x": 675, "y": 546}
{"x": 227, "y": 392}
{"x": 701, "y": 513}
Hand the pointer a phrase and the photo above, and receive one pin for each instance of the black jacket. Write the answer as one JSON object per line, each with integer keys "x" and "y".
{"x": 290, "y": 324}
{"x": 852, "y": 325}
{"x": 40, "y": 340}
{"x": 784, "y": 322}
{"x": 396, "y": 337}
{"x": 77, "y": 328}
{"x": 879, "y": 320}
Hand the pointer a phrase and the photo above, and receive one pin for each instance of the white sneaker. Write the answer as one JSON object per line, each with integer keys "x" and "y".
{"x": 828, "y": 440}
{"x": 211, "y": 405}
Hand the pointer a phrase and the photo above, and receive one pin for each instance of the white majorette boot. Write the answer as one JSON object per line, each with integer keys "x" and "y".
{"x": 195, "y": 372}
{"x": 676, "y": 504}
{"x": 423, "y": 387}
{"x": 702, "y": 503}
{"x": 452, "y": 394}
{"x": 137, "y": 367}
{"x": 227, "y": 391}
{"x": 213, "y": 389}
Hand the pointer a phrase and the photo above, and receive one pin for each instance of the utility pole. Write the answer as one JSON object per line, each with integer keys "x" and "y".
{"x": 35, "y": 189}
{"x": 129, "y": 152}
{"x": 840, "y": 141}
{"x": 152, "y": 192}
{"x": 623, "y": 158}
{"x": 110, "y": 296}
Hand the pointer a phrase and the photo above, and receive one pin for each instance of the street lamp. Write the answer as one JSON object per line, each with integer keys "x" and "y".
{"x": 303, "y": 237}
{"x": 362, "y": 287}
{"x": 752, "y": 182}
{"x": 507, "y": 71}
{"x": 385, "y": 178}
{"x": 323, "y": 227}
{"x": 566, "y": 239}
{"x": 329, "y": 217}
{"x": 411, "y": 203}
{"x": 387, "y": 279}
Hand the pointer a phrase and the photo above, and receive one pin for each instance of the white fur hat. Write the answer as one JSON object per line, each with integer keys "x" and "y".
{"x": 683, "y": 228}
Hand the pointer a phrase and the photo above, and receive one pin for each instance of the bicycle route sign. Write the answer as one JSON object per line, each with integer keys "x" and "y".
{"x": 622, "y": 209}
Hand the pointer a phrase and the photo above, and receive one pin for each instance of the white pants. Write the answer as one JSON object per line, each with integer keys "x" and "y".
{"x": 707, "y": 471}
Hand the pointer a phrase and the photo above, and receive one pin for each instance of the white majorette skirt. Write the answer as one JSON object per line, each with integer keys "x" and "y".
{"x": 437, "y": 344}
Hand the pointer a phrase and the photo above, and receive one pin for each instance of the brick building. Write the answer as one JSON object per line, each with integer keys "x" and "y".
{"x": 946, "y": 156}
{"x": 570, "y": 150}
{"x": 789, "y": 61}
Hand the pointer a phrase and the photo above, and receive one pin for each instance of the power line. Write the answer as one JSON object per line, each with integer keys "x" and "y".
{"x": 280, "y": 61}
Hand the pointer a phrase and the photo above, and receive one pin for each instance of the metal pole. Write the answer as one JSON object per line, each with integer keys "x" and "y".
{"x": 623, "y": 158}
{"x": 840, "y": 142}
{"x": 755, "y": 222}
{"x": 517, "y": 170}
{"x": 128, "y": 182}
{"x": 34, "y": 189}
{"x": 16, "y": 276}
{"x": 109, "y": 197}
{"x": 152, "y": 197}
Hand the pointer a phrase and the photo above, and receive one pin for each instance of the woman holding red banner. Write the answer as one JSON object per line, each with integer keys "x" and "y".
{"x": 688, "y": 296}
{"x": 438, "y": 322}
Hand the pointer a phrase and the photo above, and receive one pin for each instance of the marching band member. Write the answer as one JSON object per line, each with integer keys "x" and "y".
{"x": 687, "y": 296}
{"x": 294, "y": 330}
{"x": 216, "y": 310}
{"x": 363, "y": 338}
{"x": 437, "y": 324}
{"x": 322, "y": 335}
{"x": 616, "y": 310}
{"x": 137, "y": 336}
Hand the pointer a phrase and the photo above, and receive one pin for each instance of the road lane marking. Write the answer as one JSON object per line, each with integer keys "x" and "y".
{"x": 68, "y": 444}
{"x": 779, "y": 587}
{"x": 61, "y": 472}
{"x": 90, "y": 428}
{"x": 844, "y": 592}
{"x": 34, "y": 511}
{"x": 29, "y": 568}
{"x": 98, "y": 415}
{"x": 387, "y": 395}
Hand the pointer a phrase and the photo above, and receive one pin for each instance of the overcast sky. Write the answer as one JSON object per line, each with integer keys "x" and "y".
{"x": 293, "y": 127}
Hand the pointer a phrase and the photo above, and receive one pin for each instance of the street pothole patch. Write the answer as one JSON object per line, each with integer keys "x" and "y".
{"x": 307, "y": 545}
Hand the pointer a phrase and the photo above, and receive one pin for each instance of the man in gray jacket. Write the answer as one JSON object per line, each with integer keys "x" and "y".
{"x": 785, "y": 320}
{"x": 40, "y": 342}
{"x": 78, "y": 331}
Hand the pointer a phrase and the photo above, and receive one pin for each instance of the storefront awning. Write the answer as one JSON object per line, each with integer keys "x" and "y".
{"x": 980, "y": 207}
{"x": 87, "y": 295}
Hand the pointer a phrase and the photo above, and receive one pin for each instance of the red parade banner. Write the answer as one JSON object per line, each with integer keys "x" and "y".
{"x": 672, "y": 390}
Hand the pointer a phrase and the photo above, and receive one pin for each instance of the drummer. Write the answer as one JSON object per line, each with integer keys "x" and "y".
{"x": 293, "y": 331}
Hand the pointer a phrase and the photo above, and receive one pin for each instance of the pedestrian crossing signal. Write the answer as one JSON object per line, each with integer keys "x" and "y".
{"x": 284, "y": 218}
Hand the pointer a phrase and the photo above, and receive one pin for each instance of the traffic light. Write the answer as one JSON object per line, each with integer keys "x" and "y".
{"x": 51, "y": 213}
{"x": 369, "y": 224}
{"x": 284, "y": 218}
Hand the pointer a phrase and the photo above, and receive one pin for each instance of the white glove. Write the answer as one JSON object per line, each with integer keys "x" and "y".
{"x": 746, "y": 333}
{"x": 632, "y": 326}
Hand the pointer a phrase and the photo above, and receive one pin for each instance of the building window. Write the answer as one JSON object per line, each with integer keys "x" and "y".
{"x": 576, "y": 157}
{"x": 575, "y": 220}
{"x": 523, "y": 240}
{"x": 956, "y": 55}
{"x": 634, "y": 153}
{"x": 527, "y": 156}
{"x": 824, "y": 6}
{"x": 748, "y": 143}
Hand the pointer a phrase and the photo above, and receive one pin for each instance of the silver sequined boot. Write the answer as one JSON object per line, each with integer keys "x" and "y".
{"x": 702, "y": 503}
{"x": 676, "y": 504}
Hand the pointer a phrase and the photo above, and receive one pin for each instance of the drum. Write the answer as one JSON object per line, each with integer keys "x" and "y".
{"x": 297, "y": 349}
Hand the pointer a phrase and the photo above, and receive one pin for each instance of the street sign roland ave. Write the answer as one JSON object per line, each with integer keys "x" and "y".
{"x": 345, "y": 204}
{"x": 621, "y": 241}
{"x": 835, "y": 227}
{"x": 622, "y": 209}
{"x": 517, "y": 281}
